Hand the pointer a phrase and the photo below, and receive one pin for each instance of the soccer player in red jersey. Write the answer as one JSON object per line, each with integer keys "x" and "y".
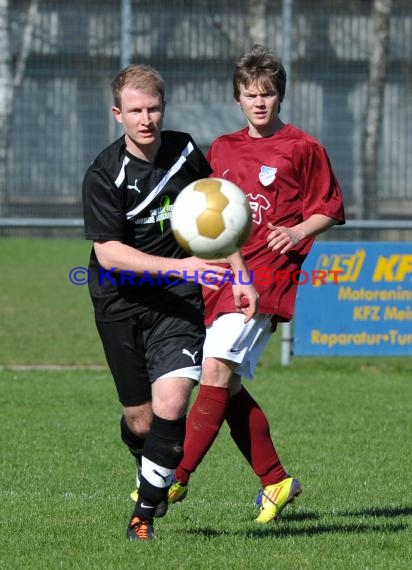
{"x": 294, "y": 195}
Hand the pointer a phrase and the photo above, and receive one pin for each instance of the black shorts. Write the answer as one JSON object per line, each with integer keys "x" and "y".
{"x": 142, "y": 348}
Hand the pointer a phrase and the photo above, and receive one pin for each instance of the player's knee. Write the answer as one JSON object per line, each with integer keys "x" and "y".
{"x": 140, "y": 428}
{"x": 171, "y": 397}
{"x": 134, "y": 442}
{"x": 217, "y": 372}
{"x": 174, "y": 407}
{"x": 138, "y": 419}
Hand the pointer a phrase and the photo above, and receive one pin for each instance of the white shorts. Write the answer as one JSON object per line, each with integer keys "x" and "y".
{"x": 230, "y": 338}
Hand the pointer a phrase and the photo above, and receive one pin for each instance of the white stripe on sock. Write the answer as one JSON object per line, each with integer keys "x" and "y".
{"x": 157, "y": 475}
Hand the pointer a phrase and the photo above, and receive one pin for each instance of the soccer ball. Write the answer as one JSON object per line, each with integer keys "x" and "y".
{"x": 211, "y": 218}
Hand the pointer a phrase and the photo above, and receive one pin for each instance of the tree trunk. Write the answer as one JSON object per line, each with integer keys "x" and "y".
{"x": 257, "y": 21}
{"x": 374, "y": 107}
{"x": 6, "y": 95}
{"x": 10, "y": 81}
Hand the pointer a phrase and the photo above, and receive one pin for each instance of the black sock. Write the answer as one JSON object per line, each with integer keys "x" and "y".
{"x": 161, "y": 454}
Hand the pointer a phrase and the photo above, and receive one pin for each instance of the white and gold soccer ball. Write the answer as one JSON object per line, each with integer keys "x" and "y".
{"x": 211, "y": 218}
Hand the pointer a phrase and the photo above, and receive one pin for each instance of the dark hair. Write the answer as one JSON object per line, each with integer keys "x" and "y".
{"x": 142, "y": 77}
{"x": 261, "y": 66}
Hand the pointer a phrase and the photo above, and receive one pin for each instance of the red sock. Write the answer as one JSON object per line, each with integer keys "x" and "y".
{"x": 250, "y": 431}
{"x": 204, "y": 421}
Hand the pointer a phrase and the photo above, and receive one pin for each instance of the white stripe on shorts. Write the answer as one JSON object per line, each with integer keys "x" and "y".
{"x": 192, "y": 372}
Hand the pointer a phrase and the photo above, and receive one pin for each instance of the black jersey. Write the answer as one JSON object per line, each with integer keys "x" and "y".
{"x": 130, "y": 200}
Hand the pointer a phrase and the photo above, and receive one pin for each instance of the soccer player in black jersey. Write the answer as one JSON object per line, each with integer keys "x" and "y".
{"x": 151, "y": 326}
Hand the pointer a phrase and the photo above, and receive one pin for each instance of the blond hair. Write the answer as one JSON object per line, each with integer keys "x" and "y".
{"x": 141, "y": 77}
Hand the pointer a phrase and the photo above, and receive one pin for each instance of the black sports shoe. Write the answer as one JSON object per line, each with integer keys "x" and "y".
{"x": 139, "y": 529}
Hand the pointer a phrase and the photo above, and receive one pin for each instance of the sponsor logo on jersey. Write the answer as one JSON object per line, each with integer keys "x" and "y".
{"x": 134, "y": 186}
{"x": 164, "y": 212}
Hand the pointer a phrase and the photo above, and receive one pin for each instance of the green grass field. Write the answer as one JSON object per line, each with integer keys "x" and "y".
{"x": 44, "y": 317}
{"x": 343, "y": 426}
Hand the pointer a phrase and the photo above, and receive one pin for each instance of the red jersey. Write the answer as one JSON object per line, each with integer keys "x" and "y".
{"x": 287, "y": 177}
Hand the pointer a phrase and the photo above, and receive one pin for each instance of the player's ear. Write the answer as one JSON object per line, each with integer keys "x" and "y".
{"x": 117, "y": 114}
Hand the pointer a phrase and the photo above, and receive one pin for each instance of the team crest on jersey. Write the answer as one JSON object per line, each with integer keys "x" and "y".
{"x": 267, "y": 175}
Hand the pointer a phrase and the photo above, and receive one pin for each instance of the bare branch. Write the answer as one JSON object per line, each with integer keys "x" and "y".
{"x": 25, "y": 44}
{"x": 374, "y": 108}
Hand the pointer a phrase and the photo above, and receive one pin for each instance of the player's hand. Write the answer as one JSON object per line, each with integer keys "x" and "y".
{"x": 246, "y": 300}
{"x": 206, "y": 272}
{"x": 282, "y": 239}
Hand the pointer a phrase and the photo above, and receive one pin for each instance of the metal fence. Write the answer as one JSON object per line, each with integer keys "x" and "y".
{"x": 57, "y": 58}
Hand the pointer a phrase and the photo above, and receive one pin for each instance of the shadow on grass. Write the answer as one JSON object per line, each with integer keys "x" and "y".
{"x": 302, "y": 516}
{"x": 386, "y": 512}
{"x": 317, "y": 530}
{"x": 356, "y": 527}
{"x": 281, "y": 532}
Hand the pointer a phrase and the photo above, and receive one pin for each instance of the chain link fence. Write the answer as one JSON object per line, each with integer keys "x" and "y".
{"x": 57, "y": 59}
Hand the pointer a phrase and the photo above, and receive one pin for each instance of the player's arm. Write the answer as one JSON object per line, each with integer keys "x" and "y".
{"x": 245, "y": 296}
{"x": 282, "y": 238}
{"x": 117, "y": 256}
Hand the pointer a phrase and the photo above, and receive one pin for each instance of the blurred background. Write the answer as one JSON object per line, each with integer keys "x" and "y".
{"x": 349, "y": 65}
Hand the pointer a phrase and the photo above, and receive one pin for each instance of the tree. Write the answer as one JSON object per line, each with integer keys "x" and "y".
{"x": 380, "y": 18}
{"x": 11, "y": 76}
{"x": 257, "y": 21}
